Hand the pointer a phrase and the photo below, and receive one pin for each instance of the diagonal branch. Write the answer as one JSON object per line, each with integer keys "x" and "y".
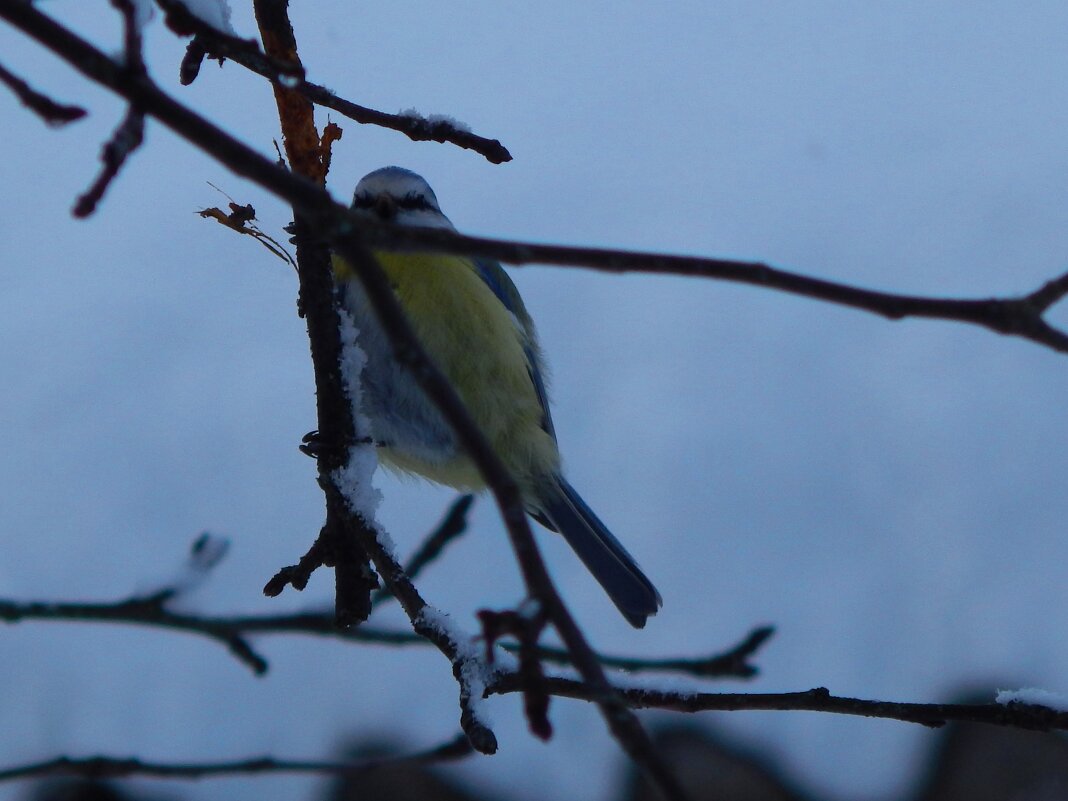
{"x": 124, "y": 141}
{"x": 451, "y": 526}
{"x": 622, "y": 723}
{"x": 53, "y": 113}
{"x": 131, "y": 131}
{"x": 1020, "y": 316}
{"x": 212, "y": 43}
{"x": 322, "y": 217}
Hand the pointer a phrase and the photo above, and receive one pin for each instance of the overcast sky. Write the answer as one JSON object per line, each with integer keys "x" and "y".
{"x": 889, "y": 495}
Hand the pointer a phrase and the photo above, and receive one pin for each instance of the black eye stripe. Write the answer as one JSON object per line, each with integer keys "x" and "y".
{"x": 413, "y": 201}
{"x": 410, "y": 202}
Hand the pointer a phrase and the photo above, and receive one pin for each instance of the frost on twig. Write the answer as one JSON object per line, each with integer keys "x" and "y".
{"x": 1033, "y": 696}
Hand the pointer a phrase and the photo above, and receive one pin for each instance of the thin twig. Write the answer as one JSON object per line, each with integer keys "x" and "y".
{"x": 418, "y": 128}
{"x": 1015, "y": 714}
{"x": 54, "y": 114}
{"x": 152, "y": 610}
{"x": 131, "y": 131}
{"x": 213, "y": 43}
{"x": 452, "y": 525}
{"x": 103, "y": 767}
{"x": 733, "y": 663}
{"x": 126, "y": 139}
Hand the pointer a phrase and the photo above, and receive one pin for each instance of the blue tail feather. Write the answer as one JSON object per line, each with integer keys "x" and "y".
{"x": 615, "y": 569}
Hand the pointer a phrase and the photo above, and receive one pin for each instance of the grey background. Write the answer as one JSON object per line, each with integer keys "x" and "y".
{"x": 890, "y": 495}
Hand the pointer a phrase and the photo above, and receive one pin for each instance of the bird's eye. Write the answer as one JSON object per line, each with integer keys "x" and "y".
{"x": 363, "y": 201}
{"x": 413, "y": 201}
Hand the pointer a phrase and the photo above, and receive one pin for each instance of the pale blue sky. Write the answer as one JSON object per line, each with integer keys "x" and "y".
{"x": 890, "y": 495}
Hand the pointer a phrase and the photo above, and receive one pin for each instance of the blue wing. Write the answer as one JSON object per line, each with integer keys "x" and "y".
{"x": 494, "y": 276}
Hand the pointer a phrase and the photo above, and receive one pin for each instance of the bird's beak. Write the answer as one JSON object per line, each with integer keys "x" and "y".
{"x": 386, "y": 208}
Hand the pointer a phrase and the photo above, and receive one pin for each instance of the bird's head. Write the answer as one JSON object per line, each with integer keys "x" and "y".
{"x": 397, "y": 195}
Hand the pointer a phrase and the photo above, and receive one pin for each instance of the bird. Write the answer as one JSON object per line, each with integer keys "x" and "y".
{"x": 473, "y": 325}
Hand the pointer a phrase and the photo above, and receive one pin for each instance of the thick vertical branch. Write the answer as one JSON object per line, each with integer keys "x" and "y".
{"x": 295, "y": 111}
{"x": 354, "y": 579}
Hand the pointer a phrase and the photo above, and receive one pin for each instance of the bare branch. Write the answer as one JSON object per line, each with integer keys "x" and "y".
{"x": 234, "y": 633}
{"x": 131, "y": 131}
{"x": 212, "y": 43}
{"x": 1020, "y": 316}
{"x": 126, "y": 139}
{"x": 733, "y": 663}
{"x": 526, "y": 625}
{"x": 149, "y": 611}
{"x": 453, "y": 525}
{"x": 54, "y": 114}
{"x": 141, "y": 610}
{"x": 1015, "y": 714}
{"x": 103, "y": 767}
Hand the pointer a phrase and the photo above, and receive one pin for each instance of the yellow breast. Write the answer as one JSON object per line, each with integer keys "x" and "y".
{"x": 479, "y": 346}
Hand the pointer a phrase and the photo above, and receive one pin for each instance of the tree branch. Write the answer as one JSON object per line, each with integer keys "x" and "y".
{"x": 453, "y": 525}
{"x": 211, "y": 43}
{"x": 1024, "y": 716}
{"x": 1020, "y": 316}
{"x": 733, "y": 663}
{"x": 234, "y": 632}
{"x": 131, "y": 131}
{"x": 346, "y": 527}
{"x": 53, "y": 113}
{"x": 103, "y": 767}
{"x": 126, "y": 139}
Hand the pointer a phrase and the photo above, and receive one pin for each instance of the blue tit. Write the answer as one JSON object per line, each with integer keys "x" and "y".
{"x": 470, "y": 319}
